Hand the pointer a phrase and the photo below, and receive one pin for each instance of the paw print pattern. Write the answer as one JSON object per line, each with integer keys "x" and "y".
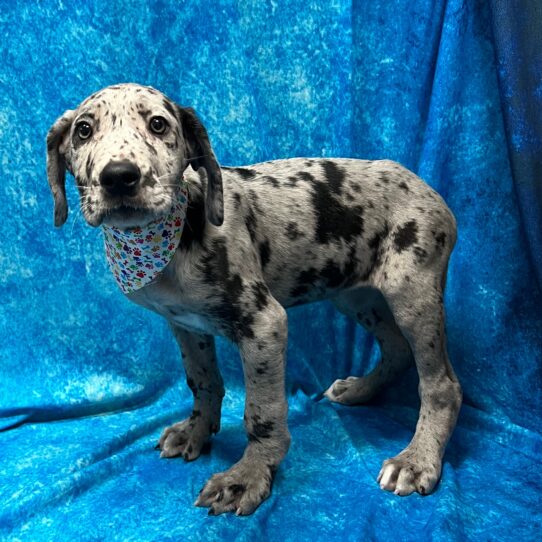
{"x": 137, "y": 255}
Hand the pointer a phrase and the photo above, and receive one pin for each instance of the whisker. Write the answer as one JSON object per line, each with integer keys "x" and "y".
{"x": 179, "y": 184}
{"x": 196, "y": 157}
{"x": 167, "y": 175}
{"x": 77, "y": 215}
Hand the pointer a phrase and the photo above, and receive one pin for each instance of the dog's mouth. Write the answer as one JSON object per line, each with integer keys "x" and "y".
{"x": 126, "y": 216}
{"x": 127, "y": 211}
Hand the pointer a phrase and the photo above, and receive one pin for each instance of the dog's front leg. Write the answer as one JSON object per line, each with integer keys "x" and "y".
{"x": 186, "y": 438}
{"x": 244, "y": 486}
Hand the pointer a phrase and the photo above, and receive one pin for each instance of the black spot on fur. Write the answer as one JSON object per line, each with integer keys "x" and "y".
{"x": 334, "y": 221}
{"x": 272, "y": 181}
{"x": 237, "y": 198}
{"x": 332, "y": 274}
{"x": 404, "y": 186}
{"x": 150, "y": 147}
{"x": 440, "y": 240}
{"x": 334, "y": 176}
{"x": 260, "y": 291}
{"x": 384, "y": 178}
{"x": 255, "y": 201}
{"x": 291, "y": 182}
{"x": 265, "y": 252}
{"x": 245, "y": 173}
{"x": 376, "y": 246}
{"x": 236, "y": 324}
{"x": 261, "y": 430}
{"x": 305, "y": 281}
{"x": 421, "y": 254}
{"x": 376, "y": 239}
{"x": 250, "y": 221}
{"x": 168, "y": 106}
{"x": 405, "y": 236}
{"x": 225, "y": 304}
{"x": 305, "y": 176}
{"x": 292, "y": 232}
{"x": 88, "y": 168}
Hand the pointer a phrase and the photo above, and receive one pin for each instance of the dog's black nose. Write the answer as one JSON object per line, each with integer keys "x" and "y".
{"x": 120, "y": 178}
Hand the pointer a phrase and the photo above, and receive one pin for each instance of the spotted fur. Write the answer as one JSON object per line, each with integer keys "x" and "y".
{"x": 370, "y": 236}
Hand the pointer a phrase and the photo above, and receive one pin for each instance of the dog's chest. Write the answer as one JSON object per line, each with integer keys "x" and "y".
{"x": 190, "y": 321}
{"x": 165, "y": 299}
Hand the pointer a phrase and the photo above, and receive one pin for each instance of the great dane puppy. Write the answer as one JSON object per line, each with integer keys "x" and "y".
{"x": 370, "y": 236}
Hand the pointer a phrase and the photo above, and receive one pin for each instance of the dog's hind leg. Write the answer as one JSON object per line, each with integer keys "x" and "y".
{"x": 369, "y": 308}
{"x": 418, "y": 467}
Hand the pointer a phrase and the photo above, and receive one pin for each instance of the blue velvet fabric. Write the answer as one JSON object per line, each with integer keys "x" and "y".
{"x": 437, "y": 85}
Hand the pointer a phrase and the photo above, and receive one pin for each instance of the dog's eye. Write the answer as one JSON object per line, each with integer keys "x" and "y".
{"x": 84, "y": 130}
{"x": 158, "y": 125}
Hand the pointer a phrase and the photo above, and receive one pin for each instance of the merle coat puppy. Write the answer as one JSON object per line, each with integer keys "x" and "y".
{"x": 370, "y": 236}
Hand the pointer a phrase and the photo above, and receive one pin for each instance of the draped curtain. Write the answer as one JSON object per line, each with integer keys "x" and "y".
{"x": 450, "y": 88}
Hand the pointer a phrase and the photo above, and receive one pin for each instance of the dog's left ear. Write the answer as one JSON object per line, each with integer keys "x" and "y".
{"x": 200, "y": 154}
{"x": 56, "y": 164}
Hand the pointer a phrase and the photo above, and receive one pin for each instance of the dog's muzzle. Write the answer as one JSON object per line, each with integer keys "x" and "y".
{"x": 120, "y": 178}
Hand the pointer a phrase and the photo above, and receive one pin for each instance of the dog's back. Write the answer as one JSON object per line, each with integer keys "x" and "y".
{"x": 321, "y": 225}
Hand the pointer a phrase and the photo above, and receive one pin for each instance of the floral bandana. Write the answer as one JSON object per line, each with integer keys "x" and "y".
{"x": 137, "y": 255}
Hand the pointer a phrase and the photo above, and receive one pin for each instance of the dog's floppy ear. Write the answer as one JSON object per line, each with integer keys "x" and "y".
{"x": 200, "y": 154}
{"x": 56, "y": 164}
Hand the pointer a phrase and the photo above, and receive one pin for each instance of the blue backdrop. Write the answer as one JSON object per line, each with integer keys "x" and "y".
{"x": 450, "y": 88}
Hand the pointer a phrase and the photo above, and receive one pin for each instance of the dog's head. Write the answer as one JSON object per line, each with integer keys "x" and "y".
{"x": 127, "y": 147}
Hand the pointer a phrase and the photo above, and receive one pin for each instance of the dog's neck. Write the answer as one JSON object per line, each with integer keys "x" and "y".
{"x": 137, "y": 255}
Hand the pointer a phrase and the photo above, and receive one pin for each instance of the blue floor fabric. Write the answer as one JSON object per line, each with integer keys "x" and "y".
{"x": 423, "y": 83}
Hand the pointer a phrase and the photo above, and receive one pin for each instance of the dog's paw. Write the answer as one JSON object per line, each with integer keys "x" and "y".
{"x": 186, "y": 439}
{"x": 352, "y": 391}
{"x": 240, "y": 489}
{"x": 406, "y": 474}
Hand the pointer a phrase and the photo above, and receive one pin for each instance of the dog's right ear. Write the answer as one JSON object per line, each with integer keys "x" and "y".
{"x": 56, "y": 164}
